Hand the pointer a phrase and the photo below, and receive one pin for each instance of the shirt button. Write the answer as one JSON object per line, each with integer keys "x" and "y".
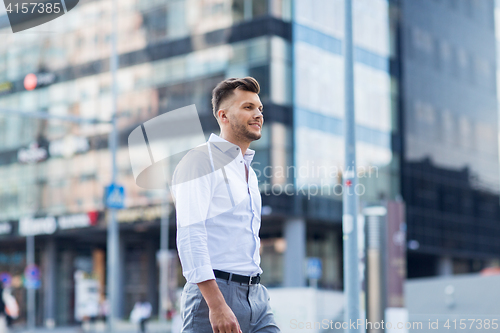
{"x": 241, "y": 161}
{"x": 237, "y": 148}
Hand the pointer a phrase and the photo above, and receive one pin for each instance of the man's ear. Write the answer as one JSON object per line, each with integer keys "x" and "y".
{"x": 222, "y": 115}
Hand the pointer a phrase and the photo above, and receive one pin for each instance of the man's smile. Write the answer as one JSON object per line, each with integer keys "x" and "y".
{"x": 256, "y": 125}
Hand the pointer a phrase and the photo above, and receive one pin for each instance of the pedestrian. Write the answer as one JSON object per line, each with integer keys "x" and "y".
{"x": 11, "y": 306}
{"x": 103, "y": 308}
{"x": 141, "y": 313}
{"x": 218, "y": 206}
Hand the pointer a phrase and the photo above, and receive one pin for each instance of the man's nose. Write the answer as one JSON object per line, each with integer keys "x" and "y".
{"x": 258, "y": 114}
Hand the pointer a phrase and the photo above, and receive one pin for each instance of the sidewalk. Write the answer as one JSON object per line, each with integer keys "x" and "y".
{"x": 121, "y": 327}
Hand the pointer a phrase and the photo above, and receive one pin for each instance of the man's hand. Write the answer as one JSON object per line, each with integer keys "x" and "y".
{"x": 221, "y": 316}
{"x": 223, "y": 320}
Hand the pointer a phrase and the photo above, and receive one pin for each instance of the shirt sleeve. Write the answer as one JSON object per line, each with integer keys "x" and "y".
{"x": 192, "y": 192}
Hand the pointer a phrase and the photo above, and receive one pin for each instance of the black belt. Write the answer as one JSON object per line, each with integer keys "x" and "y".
{"x": 237, "y": 278}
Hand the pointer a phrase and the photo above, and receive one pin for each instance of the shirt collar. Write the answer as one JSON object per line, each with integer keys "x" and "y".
{"x": 225, "y": 145}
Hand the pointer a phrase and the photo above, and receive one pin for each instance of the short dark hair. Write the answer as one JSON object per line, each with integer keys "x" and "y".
{"x": 225, "y": 89}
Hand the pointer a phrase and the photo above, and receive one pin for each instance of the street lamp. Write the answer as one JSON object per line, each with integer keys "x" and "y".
{"x": 112, "y": 277}
{"x": 352, "y": 283}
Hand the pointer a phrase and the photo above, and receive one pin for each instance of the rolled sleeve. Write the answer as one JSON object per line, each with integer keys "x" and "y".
{"x": 193, "y": 253}
{"x": 199, "y": 274}
{"x": 192, "y": 194}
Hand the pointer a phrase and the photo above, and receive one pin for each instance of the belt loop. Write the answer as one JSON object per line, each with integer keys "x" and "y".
{"x": 230, "y": 276}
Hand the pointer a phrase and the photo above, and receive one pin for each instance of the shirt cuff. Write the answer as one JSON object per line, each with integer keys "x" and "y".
{"x": 200, "y": 274}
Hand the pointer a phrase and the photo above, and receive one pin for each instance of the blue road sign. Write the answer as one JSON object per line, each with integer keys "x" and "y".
{"x": 32, "y": 284}
{"x": 314, "y": 269}
{"x": 32, "y": 277}
{"x": 115, "y": 196}
{"x": 6, "y": 279}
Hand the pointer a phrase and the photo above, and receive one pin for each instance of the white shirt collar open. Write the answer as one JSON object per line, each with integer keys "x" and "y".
{"x": 214, "y": 138}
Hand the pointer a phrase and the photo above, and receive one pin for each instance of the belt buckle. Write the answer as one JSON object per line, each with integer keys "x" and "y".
{"x": 257, "y": 279}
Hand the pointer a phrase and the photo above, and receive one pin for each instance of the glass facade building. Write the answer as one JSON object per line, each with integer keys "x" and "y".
{"x": 450, "y": 170}
{"x": 319, "y": 94}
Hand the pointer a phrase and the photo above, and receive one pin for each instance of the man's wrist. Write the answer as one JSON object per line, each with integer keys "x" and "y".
{"x": 216, "y": 303}
{"x": 211, "y": 292}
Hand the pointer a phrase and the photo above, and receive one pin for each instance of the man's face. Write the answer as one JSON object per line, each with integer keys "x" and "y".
{"x": 244, "y": 112}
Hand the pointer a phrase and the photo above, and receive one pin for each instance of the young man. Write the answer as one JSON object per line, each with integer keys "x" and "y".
{"x": 218, "y": 206}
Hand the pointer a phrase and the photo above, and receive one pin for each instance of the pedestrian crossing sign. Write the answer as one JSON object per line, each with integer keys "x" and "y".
{"x": 115, "y": 196}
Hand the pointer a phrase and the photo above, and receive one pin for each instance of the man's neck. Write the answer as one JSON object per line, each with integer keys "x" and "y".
{"x": 242, "y": 144}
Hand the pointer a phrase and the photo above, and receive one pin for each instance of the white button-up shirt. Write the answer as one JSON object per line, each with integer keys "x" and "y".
{"x": 218, "y": 212}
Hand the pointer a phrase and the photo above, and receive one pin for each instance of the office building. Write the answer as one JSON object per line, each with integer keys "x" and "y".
{"x": 450, "y": 168}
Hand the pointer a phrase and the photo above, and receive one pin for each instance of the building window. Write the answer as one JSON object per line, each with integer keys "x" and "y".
{"x": 425, "y": 115}
{"x": 449, "y": 128}
{"x": 484, "y": 73}
{"x": 469, "y": 72}
{"x": 281, "y": 9}
{"x": 445, "y": 54}
{"x": 463, "y": 62}
{"x": 238, "y": 10}
{"x": 155, "y": 23}
{"x": 486, "y": 137}
{"x": 455, "y": 70}
{"x": 437, "y": 55}
{"x": 424, "y": 44}
{"x": 259, "y": 8}
{"x": 465, "y": 130}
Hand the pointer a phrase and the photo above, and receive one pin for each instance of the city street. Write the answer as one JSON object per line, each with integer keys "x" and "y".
{"x": 121, "y": 327}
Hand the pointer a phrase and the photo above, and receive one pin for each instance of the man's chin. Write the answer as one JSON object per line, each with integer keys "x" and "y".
{"x": 254, "y": 136}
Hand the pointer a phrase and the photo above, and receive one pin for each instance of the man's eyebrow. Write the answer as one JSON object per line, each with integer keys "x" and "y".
{"x": 252, "y": 103}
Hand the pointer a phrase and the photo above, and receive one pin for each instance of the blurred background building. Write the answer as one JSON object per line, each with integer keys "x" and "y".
{"x": 450, "y": 170}
{"x": 426, "y": 113}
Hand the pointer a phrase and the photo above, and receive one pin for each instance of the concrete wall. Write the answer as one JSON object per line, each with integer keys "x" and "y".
{"x": 297, "y": 309}
{"x": 471, "y": 299}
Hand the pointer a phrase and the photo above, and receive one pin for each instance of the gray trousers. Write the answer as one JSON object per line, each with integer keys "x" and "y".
{"x": 250, "y": 305}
